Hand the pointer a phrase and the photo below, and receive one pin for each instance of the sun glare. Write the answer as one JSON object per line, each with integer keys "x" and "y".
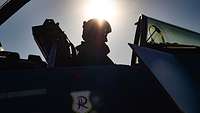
{"x": 101, "y": 9}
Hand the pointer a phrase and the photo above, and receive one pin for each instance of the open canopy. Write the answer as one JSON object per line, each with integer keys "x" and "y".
{"x": 154, "y": 31}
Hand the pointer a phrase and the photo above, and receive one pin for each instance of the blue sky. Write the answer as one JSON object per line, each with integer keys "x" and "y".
{"x": 16, "y": 34}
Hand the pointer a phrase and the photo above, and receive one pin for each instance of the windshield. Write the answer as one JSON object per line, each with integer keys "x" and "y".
{"x": 161, "y": 32}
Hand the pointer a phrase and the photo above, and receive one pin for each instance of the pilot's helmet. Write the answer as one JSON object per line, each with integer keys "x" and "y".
{"x": 94, "y": 28}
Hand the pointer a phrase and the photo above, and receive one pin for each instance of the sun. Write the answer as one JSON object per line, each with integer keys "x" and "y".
{"x": 101, "y": 9}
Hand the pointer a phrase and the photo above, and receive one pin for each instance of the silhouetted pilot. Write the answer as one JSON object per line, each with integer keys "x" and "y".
{"x": 93, "y": 50}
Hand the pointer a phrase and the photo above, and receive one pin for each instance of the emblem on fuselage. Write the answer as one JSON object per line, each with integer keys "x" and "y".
{"x": 81, "y": 101}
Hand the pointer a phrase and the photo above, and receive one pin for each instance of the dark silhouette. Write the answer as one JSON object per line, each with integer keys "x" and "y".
{"x": 9, "y": 8}
{"x": 54, "y": 44}
{"x": 93, "y": 50}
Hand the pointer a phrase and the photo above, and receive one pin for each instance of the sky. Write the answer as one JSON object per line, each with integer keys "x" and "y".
{"x": 16, "y": 33}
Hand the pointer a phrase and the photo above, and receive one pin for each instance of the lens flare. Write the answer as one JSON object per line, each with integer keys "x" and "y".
{"x": 101, "y": 9}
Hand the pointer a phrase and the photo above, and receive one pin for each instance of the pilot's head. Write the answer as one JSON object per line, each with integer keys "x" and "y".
{"x": 95, "y": 30}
